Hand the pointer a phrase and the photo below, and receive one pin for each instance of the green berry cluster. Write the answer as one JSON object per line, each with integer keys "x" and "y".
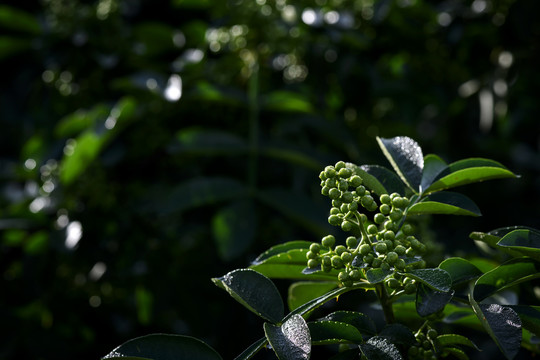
{"x": 385, "y": 242}
{"x": 426, "y": 347}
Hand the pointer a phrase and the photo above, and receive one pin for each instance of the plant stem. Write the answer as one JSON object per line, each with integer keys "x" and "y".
{"x": 386, "y": 303}
{"x": 253, "y": 108}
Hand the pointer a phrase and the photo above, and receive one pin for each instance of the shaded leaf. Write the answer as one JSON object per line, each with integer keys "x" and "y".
{"x": 525, "y": 241}
{"x": 17, "y": 19}
{"x": 455, "y": 339}
{"x": 436, "y": 278}
{"x": 433, "y": 167}
{"x": 10, "y": 46}
{"x": 380, "y": 348}
{"x": 429, "y": 301}
{"x": 286, "y": 101}
{"x": 448, "y": 203}
{"x": 502, "y": 324}
{"x": 255, "y": 291}
{"x": 380, "y": 180}
{"x": 208, "y": 142}
{"x": 406, "y": 158}
{"x": 291, "y": 340}
{"x": 233, "y": 228}
{"x": 333, "y": 332}
{"x": 377, "y": 275}
{"x": 164, "y": 347}
{"x": 398, "y": 334}
{"x": 360, "y": 321}
{"x": 469, "y": 171}
{"x": 508, "y": 274}
{"x": 252, "y": 349}
{"x": 302, "y": 292}
{"x": 530, "y": 317}
{"x": 460, "y": 270}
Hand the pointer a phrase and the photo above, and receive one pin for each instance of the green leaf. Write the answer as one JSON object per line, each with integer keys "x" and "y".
{"x": 85, "y": 150}
{"x": 429, "y": 301}
{"x": 508, "y": 274}
{"x": 333, "y": 332}
{"x": 290, "y": 265}
{"x": 164, "y": 347}
{"x": 207, "y": 142}
{"x": 494, "y": 236}
{"x": 530, "y": 317}
{"x": 16, "y": 19}
{"x": 286, "y": 101}
{"x": 469, "y": 171}
{"x": 455, "y": 339}
{"x": 11, "y": 46}
{"x": 446, "y": 202}
{"x": 234, "y": 229}
{"x": 398, "y": 334}
{"x": 380, "y": 180}
{"x": 502, "y": 324}
{"x": 457, "y": 353}
{"x": 377, "y": 275}
{"x": 282, "y": 248}
{"x": 406, "y": 158}
{"x": 291, "y": 340}
{"x": 252, "y": 349}
{"x": 525, "y": 241}
{"x": 304, "y": 291}
{"x": 437, "y": 279}
{"x": 360, "y": 321}
{"x": 433, "y": 167}
{"x": 380, "y": 348}
{"x": 460, "y": 270}
{"x": 255, "y": 291}
{"x": 293, "y": 154}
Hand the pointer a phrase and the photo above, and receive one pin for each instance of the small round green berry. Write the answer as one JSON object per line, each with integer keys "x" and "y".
{"x": 367, "y": 200}
{"x": 394, "y": 195}
{"x": 372, "y": 229}
{"x": 385, "y": 266}
{"x": 393, "y": 283}
{"x": 337, "y": 203}
{"x": 360, "y": 190}
{"x": 400, "y": 264}
{"x": 344, "y": 208}
{"x": 426, "y": 344}
{"x": 325, "y": 190}
{"x": 355, "y": 181}
{"x": 413, "y": 351}
{"x": 396, "y": 215}
{"x": 415, "y": 243}
{"x": 385, "y": 209}
{"x": 400, "y": 250}
{"x": 432, "y": 334}
{"x": 322, "y": 176}
{"x": 337, "y": 262}
{"x": 347, "y": 197}
{"x": 340, "y": 249}
{"x": 311, "y": 255}
{"x": 376, "y": 263}
{"x": 407, "y": 229}
{"x": 334, "y": 193}
{"x": 347, "y": 257}
{"x": 331, "y": 183}
{"x": 355, "y": 275}
{"x": 329, "y": 171}
{"x": 343, "y": 185}
{"x": 410, "y": 288}
{"x": 365, "y": 249}
{"x": 368, "y": 259}
{"x": 390, "y": 225}
{"x": 410, "y": 252}
{"x": 340, "y": 165}
{"x": 326, "y": 260}
{"x": 379, "y": 218}
{"x": 334, "y": 220}
{"x": 335, "y": 211}
{"x": 389, "y": 235}
{"x": 420, "y": 264}
{"x": 353, "y": 206}
{"x": 346, "y": 225}
{"x": 389, "y": 244}
{"x": 315, "y": 247}
{"x": 385, "y": 199}
{"x": 312, "y": 263}
{"x": 351, "y": 242}
{"x": 343, "y": 276}
{"x": 328, "y": 241}
{"x": 381, "y": 248}
{"x": 392, "y": 257}
{"x": 345, "y": 172}
{"x": 326, "y": 268}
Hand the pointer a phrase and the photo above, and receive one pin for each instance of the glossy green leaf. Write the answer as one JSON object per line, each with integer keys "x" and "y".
{"x": 398, "y": 334}
{"x": 406, "y": 158}
{"x": 85, "y": 150}
{"x": 291, "y": 340}
{"x": 333, "y": 332}
{"x": 380, "y": 180}
{"x": 429, "y": 301}
{"x": 304, "y": 291}
{"x": 433, "y": 167}
{"x": 233, "y": 228}
{"x": 508, "y": 274}
{"x": 457, "y": 353}
{"x": 530, "y": 317}
{"x": 460, "y": 270}
{"x": 255, "y": 291}
{"x": 525, "y": 241}
{"x": 207, "y": 142}
{"x": 502, "y": 324}
{"x": 380, "y": 348}
{"x": 437, "y": 279}
{"x": 455, "y": 339}
{"x": 377, "y": 275}
{"x": 469, "y": 171}
{"x": 282, "y": 248}
{"x": 448, "y": 203}
{"x": 75, "y": 123}
{"x": 252, "y": 349}
{"x": 286, "y": 101}
{"x": 17, "y": 19}
{"x": 164, "y": 347}
{"x": 360, "y": 321}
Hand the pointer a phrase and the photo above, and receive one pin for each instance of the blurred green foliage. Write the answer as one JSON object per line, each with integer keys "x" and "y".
{"x": 148, "y": 146}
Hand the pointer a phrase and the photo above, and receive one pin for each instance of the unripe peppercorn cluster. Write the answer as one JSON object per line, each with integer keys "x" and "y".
{"x": 387, "y": 242}
{"x": 427, "y": 346}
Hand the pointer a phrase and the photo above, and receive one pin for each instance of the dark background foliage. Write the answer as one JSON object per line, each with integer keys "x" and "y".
{"x": 147, "y": 146}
